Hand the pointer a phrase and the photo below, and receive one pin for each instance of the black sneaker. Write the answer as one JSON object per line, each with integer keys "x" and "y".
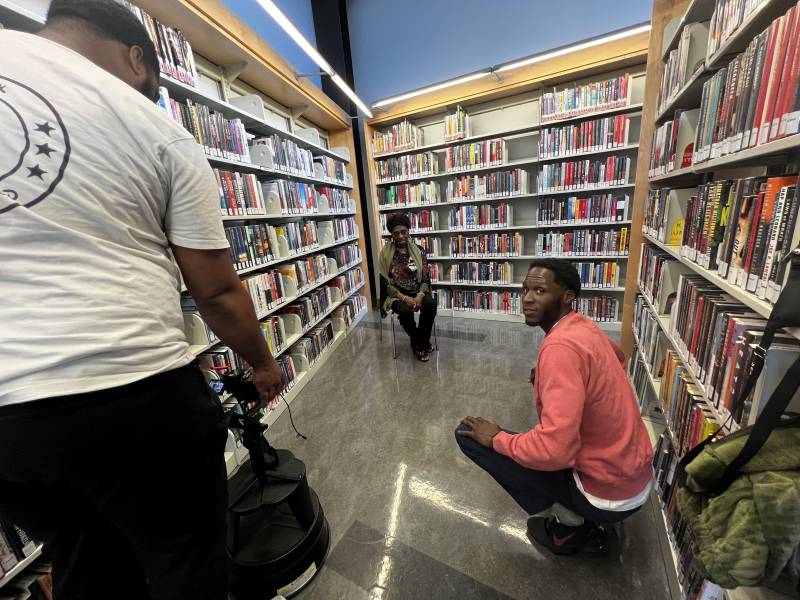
{"x": 564, "y": 540}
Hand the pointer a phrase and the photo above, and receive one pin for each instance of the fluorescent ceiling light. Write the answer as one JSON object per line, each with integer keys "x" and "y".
{"x": 618, "y": 35}
{"x": 294, "y": 33}
{"x": 351, "y": 94}
{"x": 432, "y": 88}
{"x": 575, "y": 47}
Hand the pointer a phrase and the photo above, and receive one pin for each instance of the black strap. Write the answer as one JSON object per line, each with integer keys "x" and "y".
{"x": 785, "y": 313}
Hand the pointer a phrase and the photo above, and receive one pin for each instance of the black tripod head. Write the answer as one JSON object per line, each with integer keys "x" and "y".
{"x": 263, "y": 457}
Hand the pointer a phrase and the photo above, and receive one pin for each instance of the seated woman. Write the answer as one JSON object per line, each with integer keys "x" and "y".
{"x": 405, "y": 285}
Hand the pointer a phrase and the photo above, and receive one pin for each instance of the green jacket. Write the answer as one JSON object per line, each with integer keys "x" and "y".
{"x": 389, "y": 292}
{"x": 747, "y": 534}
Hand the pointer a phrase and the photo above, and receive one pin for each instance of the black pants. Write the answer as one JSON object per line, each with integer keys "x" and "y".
{"x": 534, "y": 490}
{"x": 420, "y": 335}
{"x": 126, "y": 487}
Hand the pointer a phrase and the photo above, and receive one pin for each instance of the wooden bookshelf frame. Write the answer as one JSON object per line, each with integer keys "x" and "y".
{"x": 626, "y": 54}
{"x": 668, "y": 18}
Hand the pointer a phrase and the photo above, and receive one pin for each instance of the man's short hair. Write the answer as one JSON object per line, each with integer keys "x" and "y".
{"x": 111, "y": 20}
{"x": 395, "y": 219}
{"x": 564, "y": 272}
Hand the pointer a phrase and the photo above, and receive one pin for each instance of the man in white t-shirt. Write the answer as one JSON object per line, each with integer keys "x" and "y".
{"x": 111, "y": 444}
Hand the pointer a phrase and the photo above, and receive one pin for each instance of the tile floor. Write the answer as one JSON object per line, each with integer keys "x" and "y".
{"x": 410, "y": 517}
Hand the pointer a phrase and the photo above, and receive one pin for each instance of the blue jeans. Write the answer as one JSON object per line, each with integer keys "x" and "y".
{"x": 534, "y": 490}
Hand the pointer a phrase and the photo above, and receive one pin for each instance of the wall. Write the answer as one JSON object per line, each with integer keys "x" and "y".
{"x": 401, "y": 45}
{"x": 298, "y": 12}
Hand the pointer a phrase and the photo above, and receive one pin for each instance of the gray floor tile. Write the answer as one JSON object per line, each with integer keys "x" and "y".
{"x": 399, "y": 495}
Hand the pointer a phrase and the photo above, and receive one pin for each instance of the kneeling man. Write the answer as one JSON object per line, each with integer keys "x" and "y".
{"x": 588, "y": 461}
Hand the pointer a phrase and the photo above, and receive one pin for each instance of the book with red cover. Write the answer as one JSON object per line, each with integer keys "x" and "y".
{"x": 773, "y": 78}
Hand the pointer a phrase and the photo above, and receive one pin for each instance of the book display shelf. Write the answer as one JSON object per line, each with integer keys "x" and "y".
{"x": 491, "y": 183}
{"x": 711, "y": 226}
{"x": 281, "y": 152}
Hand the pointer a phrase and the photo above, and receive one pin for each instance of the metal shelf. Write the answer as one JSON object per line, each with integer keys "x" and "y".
{"x": 20, "y": 567}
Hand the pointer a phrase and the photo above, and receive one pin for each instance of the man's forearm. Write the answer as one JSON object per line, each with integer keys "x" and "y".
{"x": 232, "y": 318}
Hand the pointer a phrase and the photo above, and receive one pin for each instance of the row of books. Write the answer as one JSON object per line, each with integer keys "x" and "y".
{"x": 251, "y": 245}
{"x": 639, "y": 376}
{"x": 482, "y": 215}
{"x": 583, "y": 99}
{"x": 756, "y": 98}
{"x": 266, "y": 290}
{"x": 15, "y": 546}
{"x": 714, "y": 334}
{"x": 400, "y": 136}
{"x": 727, "y": 17}
{"x": 588, "y": 209}
{"x": 421, "y": 220}
{"x": 429, "y": 244}
{"x": 409, "y": 194}
{"x": 175, "y": 57}
{"x": 258, "y": 243}
{"x": 407, "y": 165}
{"x": 478, "y": 301}
{"x": 288, "y": 156}
{"x": 673, "y": 143}
{"x": 480, "y": 272}
{"x": 306, "y": 271}
{"x": 486, "y": 153}
{"x": 665, "y": 461}
{"x": 677, "y": 67}
{"x": 689, "y": 418}
{"x": 312, "y": 344}
{"x": 605, "y": 309}
{"x": 579, "y": 242}
{"x": 273, "y": 330}
{"x": 742, "y": 229}
{"x": 343, "y": 228}
{"x": 488, "y": 244}
{"x": 456, "y": 125}
{"x": 596, "y": 274}
{"x": 219, "y": 136}
{"x": 310, "y": 307}
{"x": 350, "y": 309}
{"x": 718, "y": 356}
{"x": 491, "y": 185}
{"x": 590, "y": 172}
{"x": 239, "y": 193}
{"x": 586, "y": 136}
{"x": 331, "y": 168}
{"x": 345, "y": 255}
{"x": 297, "y": 198}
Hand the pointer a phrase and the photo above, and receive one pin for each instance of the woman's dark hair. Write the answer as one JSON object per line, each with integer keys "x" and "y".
{"x": 111, "y": 20}
{"x": 396, "y": 219}
{"x": 564, "y": 272}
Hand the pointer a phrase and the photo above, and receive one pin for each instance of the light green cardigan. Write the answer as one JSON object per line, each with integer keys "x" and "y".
{"x": 385, "y": 262}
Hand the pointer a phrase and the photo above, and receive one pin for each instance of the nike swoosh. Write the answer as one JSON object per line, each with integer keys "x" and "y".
{"x": 559, "y": 541}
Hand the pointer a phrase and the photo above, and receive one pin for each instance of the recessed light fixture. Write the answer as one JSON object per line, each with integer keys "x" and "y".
{"x": 294, "y": 33}
{"x": 590, "y": 43}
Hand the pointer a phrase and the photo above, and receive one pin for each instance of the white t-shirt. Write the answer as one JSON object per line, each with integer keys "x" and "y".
{"x": 95, "y": 182}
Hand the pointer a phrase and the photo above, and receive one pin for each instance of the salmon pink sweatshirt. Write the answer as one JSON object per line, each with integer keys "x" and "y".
{"x": 589, "y": 419}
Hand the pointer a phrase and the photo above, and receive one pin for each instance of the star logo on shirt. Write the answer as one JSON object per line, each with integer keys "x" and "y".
{"x": 35, "y": 171}
{"x": 44, "y": 149}
{"x": 35, "y": 148}
{"x": 44, "y": 127}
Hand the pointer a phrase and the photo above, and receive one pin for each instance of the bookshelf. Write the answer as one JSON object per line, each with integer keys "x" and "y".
{"x": 243, "y": 80}
{"x": 678, "y": 169}
{"x": 20, "y": 567}
{"x": 538, "y": 147}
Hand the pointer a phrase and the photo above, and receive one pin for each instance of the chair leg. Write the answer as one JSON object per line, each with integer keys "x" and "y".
{"x": 435, "y": 338}
{"x": 394, "y": 340}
